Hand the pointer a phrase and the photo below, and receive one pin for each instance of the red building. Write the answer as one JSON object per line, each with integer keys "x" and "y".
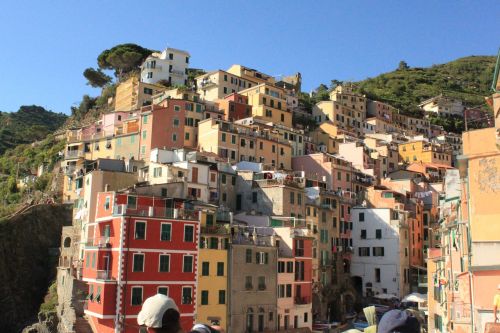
{"x": 172, "y": 124}
{"x": 235, "y": 107}
{"x": 139, "y": 246}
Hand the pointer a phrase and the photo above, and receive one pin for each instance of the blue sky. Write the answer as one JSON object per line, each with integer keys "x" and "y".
{"x": 46, "y": 45}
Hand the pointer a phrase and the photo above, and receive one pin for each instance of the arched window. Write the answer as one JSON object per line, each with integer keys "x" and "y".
{"x": 249, "y": 324}
{"x": 67, "y": 242}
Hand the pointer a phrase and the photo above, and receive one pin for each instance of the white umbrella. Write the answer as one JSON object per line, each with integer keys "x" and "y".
{"x": 415, "y": 297}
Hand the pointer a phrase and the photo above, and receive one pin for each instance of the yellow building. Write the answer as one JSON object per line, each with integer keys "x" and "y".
{"x": 351, "y": 100}
{"x": 236, "y": 142}
{"x": 133, "y": 94}
{"x": 269, "y": 104}
{"x": 216, "y": 85}
{"x": 127, "y": 139}
{"x": 212, "y": 299}
{"x": 250, "y": 74}
{"x": 424, "y": 151}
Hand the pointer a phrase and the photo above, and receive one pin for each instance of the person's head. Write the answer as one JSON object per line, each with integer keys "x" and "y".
{"x": 398, "y": 321}
{"x": 160, "y": 314}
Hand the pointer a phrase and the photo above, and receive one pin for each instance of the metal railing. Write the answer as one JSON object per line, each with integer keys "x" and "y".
{"x": 103, "y": 275}
{"x": 73, "y": 154}
{"x": 302, "y": 300}
{"x": 161, "y": 212}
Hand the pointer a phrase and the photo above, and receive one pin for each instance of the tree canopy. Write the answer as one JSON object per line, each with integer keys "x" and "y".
{"x": 96, "y": 77}
{"x": 123, "y": 58}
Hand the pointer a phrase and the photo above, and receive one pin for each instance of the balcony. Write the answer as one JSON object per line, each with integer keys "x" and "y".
{"x": 103, "y": 275}
{"x": 207, "y": 84}
{"x": 283, "y": 181}
{"x": 299, "y": 252}
{"x": 73, "y": 154}
{"x": 159, "y": 212}
{"x": 302, "y": 300}
{"x": 215, "y": 230}
{"x": 101, "y": 242}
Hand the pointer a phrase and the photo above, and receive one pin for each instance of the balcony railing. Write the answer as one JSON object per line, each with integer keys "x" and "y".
{"x": 73, "y": 154}
{"x": 160, "y": 212}
{"x": 286, "y": 182}
{"x": 215, "y": 229}
{"x": 103, "y": 275}
{"x": 299, "y": 252}
{"x": 98, "y": 242}
{"x": 302, "y": 300}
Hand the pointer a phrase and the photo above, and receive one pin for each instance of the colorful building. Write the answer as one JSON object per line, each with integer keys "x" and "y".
{"x": 420, "y": 150}
{"x": 139, "y": 246}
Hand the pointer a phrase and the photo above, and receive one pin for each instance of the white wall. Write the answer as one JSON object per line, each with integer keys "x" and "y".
{"x": 161, "y": 70}
{"x": 389, "y": 264}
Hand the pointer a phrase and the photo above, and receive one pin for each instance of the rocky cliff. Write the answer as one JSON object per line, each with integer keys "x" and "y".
{"x": 29, "y": 245}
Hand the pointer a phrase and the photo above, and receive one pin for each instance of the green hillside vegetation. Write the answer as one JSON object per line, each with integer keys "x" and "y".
{"x": 466, "y": 78}
{"x": 22, "y": 161}
{"x": 28, "y": 124}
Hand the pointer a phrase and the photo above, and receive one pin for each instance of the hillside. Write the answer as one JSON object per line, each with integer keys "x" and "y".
{"x": 28, "y": 124}
{"x": 467, "y": 78}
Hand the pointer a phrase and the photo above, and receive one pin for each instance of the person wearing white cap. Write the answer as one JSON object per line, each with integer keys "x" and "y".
{"x": 160, "y": 314}
{"x": 496, "y": 303}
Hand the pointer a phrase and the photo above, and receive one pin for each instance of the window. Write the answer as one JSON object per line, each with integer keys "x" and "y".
{"x": 223, "y": 137}
{"x": 176, "y": 122}
{"x": 187, "y": 265}
{"x": 223, "y": 179}
{"x": 138, "y": 262}
{"x": 132, "y": 202}
{"x": 361, "y": 217}
{"x": 186, "y": 295}
{"x": 205, "y": 268}
{"x": 281, "y": 266}
{"x": 233, "y": 139}
{"x": 188, "y": 233}
{"x": 220, "y": 269}
{"x": 364, "y": 251}
{"x": 140, "y": 230}
{"x": 174, "y": 137}
{"x": 289, "y": 267}
{"x": 306, "y": 317}
{"x": 288, "y": 290}
{"x": 377, "y": 274}
{"x": 254, "y": 197}
{"x": 292, "y": 198}
{"x": 378, "y": 251}
{"x": 136, "y": 295}
{"x": 261, "y": 258}
{"x": 363, "y": 233}
{"x": 107, "y": 203}
{"x": 164, "y": 263}
{"x": 163, "y": 290}
{"x": 166, "y": 232}
{"x": 248, "y": 283}
{"x": 157, "y": 172}
{"x": 204, "y": 297}
{"x": 378, "y": 233}
{"x": 93, "y": 260}
{"x": 144, "y": 134}
{"x": 262, "y": 283}
{"x": 222, "y": 297}
{"x": 248, "y": 256}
